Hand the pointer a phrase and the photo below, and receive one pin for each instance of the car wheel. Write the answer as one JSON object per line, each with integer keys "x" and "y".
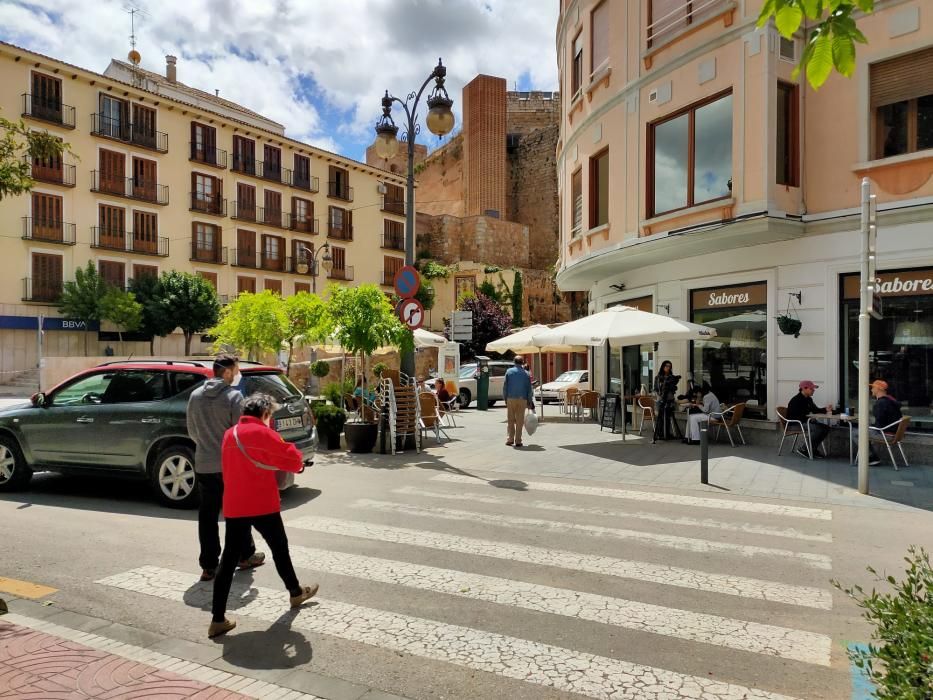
{"x": 173, "y": 479}
{"x": 464, "y": 397}
{"x": 14, "y": 474}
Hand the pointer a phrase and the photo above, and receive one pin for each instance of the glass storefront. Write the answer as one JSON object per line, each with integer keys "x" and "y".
{"x": 735, "y": 362}
{"x": 901, "y": 342}
{"x": 639, "y": 359}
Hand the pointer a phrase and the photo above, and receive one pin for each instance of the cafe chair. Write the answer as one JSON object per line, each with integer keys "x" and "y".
{"x": 448, "y": 408}
{"x": 728, "y": 419}
{"x": 431, "y": 416}
{"x": 884, "y": 436}
{"x": 569, "y": 400}
{"x": 792, "y": 427}
{"x": 587, "y": 401}
{"x": 646, "y": 406}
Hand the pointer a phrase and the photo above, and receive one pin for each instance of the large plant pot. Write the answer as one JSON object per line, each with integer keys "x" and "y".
{"x": 361, "y": 437}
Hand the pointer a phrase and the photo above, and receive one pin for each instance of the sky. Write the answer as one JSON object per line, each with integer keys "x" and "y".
{"x": 319, "y": 67}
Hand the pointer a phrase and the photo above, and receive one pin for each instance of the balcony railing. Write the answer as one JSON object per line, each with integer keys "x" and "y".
{"x": 62, "y": 174}
{"x": 245, "y": 257}
{"x": 48, "y": 231}
{"x": 340, "y": 233}
{"x": 262, "y": 215}
{"x": 388, "y": 278}
{"x": 393, "y": 206}
{"x": 667, "y": 27}
{"x": 273, "y": 264}
{"x": 273, "y": 172}
{"x": 339, "y": 190}
{"x": 130, "y": 187}
{"x": 52, "y": 111}
{"x": 245, "y": 211}
{"x": 128, "y": 242}
{"x": 38, "y": 289}
{"x": 214, "y": 157}
{"x": 305, "y": 224}
{"x": 208, "y": 203}
{"x": 393, "y": 241}
{"x": 293, "y": 265}
{"x": 123, "y": 130}
{"x": 311, "y": 183}
{"x": 215, "y": 255}
{"x": 243, "y": 165}
{"x": 341, "y": 273}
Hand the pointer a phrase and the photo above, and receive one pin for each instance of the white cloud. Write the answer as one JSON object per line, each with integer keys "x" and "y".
{"x": 264, "y": 55}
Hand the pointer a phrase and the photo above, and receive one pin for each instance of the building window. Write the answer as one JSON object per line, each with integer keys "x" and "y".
{"x": 114, "y": 118}
{"x": 901, "y": 342}
{"x": 206, "y": 194}
{"x": 576, "y": 203}
{"x": 141, "y": 271}
{"x": 205, "y": 242}
{"x": 902, "y": 104}
{"x": 272, "y": 252}
{"x": 390, "y": 268}
{"x": 599, "y": 189}
{"x": 145, "y": 232}
{"x": 304, "y": 287}
{"x": 47, "y": 97}
{"x": 112, "y": 177}
{"x": 274, "y": 286}
{"x": 273, "y": 208}
{"x": 113, "y": 273}
{"x": 211, "y": 277}
{"x": 735, "y": 362}
{"x": 245, "y": 285}
{"x": 46, "y": 282}
{"x": 690, "y": 157}
{"x": 245, "y": 201}
{"x": 339, "y": 224}
{"x": 302, "y": 215}
{"x": 576, "y": 74}
{"x": 47, "y": 222}
{"x": 599, "y": 32}
{"x": 244, "y": 155}
{"x": 338, "y": 184}
{"x": 667, "y": 19}
{"x": 272, "y": 162}
{"x": 204, "y": 144}
{"x": 787, "y": 146}
{"x": 302, "y": 176}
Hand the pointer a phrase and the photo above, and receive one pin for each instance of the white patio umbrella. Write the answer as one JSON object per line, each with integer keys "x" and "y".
{"x": 746, "y": 320}
{"x": 427, "y": 339}
{"x": 620, "y": 326}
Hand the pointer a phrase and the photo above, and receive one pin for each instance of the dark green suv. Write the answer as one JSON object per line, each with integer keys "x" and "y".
{"x": 128, "y": 419}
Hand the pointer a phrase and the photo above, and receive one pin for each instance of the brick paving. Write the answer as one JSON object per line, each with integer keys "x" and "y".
{"x": 42, "y": 666}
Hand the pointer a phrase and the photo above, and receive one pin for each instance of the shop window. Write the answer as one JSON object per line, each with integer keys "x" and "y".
{"x": 599, "y": 189}
{"x": 690, "y": 157}
{"x": 734, "y": 363}
{"x": 787, "y": 136}
{"x": 902, "y": 104}
{"x": 901, "y": 342}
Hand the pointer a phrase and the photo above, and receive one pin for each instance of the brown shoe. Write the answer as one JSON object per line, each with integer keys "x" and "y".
{"x": 509, "y": 443}
{"x": 207, "y": 574}
{"x": 218, "y": 628}
{"x": 258, "y": 559}
{"x": 306, "y": 593}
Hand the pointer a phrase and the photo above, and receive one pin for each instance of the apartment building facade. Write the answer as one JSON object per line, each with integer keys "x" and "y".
{"x": 699, "y": 179}
{"x": 165, "y": 176}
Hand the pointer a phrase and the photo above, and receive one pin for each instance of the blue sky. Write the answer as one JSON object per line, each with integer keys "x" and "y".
{"x": 318, "y": 67}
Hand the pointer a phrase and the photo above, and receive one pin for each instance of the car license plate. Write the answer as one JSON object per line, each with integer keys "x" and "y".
{"x": 288, "y": 423}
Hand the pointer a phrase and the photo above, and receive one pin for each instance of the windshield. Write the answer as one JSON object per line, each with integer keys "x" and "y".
{"x": 467, "y": 371}
{"x": 278, "y": 386}
{"x": 569, "y": 377}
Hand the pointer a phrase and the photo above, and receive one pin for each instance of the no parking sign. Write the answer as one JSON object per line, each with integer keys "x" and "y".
{"x": 407, "y": 282}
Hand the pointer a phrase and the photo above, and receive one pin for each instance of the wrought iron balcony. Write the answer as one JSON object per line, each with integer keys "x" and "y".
{"x": 244, "y": 211}
{"x": 129, "y": 187}
{"x": 215, "y": 255}
{"x": 339, "y": 190}
{"x": 215, "y": 157}
{"x": 393, "y": 241}
{"x": 393, "y": 206}
{"x": 273, "y": 172}
{"x": 245, "y": 257}
{"x": 208, "y": 203}
{"x": 340, "y": 233}
{"x": 243, "y": 165}
{"x": 48, "y": 231}
{"x": 38, "y": 289}
{"x": 273, "y": 264}
{"x": 55, "y": 173}
{"x": 304, "y": 224}
{"x": 46, "y": 110}
{"x": 341, "y": 273}
{"x": 123, "y": 130}
{"x": 127, "y": 242}
{"x": 311, "y": 183}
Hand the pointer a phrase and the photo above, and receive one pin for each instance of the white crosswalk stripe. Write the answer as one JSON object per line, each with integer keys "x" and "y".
{"x": 658, "y": 497}
{"x": 688, "y": 544}
{"x": 726, "y": 584}
{"x": 529, "y": 661}
{"x": 753, "y": 637}
{"x": 743, "y": 528}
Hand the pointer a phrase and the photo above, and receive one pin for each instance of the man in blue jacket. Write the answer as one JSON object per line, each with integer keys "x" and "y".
{"x": 518, "y": 396}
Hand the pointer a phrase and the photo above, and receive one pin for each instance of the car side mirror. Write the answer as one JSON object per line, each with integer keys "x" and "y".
{"x": 38, "y": 400}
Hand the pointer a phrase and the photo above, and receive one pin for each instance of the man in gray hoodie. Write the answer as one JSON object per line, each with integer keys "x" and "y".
{"x": 213, "y": 408}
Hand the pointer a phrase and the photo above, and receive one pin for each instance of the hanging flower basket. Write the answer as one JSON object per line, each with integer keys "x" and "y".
{"x": 789, "y": 325}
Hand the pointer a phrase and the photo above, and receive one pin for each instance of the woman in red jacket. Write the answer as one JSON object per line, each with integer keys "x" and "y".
{"x": 251, "y": 453}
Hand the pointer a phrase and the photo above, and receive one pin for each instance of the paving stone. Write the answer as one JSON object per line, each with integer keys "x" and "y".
{"x": 183, "y": 649}
{"x": 130, "y": 635}
{"x": 324, "y": 686}
{"x": 77, "y": 621}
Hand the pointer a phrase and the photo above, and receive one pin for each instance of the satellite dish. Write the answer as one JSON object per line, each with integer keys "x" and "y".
{"x": 134, "y": 57}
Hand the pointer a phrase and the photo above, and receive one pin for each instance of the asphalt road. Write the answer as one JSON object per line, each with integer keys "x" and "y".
{"x": 440, "y": 582}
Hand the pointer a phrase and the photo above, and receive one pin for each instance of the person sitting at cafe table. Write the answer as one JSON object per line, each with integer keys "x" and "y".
{"x": 705, "y": 403}
{"x": 801, "y": 407}
{"x": 443, "y": 396}
{"x": 886, "y": 411}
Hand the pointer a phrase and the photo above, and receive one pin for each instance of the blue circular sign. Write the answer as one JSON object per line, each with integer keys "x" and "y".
{"x": 407, "y": 282}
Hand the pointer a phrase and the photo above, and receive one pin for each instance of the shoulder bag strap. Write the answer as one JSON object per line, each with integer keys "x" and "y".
{"x": 246, "y": 454}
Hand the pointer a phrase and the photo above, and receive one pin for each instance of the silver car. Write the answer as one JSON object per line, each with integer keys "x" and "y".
{"x": 576, "y": 379}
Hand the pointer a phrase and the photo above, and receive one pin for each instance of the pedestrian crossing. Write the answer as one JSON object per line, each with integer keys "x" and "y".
{"x": 479, "y": 552}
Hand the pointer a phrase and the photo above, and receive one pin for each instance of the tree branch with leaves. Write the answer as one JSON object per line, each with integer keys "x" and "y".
{"x": 19, "y": 146}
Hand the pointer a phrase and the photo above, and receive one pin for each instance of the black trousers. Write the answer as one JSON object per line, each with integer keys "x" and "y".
{"x": 818, "y": 433}
{"x": 237, "y": 536}
{"x": 211, "y": 487}
{"x": 666, "y": 426}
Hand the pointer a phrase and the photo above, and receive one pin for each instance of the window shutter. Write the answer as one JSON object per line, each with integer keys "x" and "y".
{"x": 903, "y": 78}
{"x": 600, "y": 32}
{"x": 666, "y": 14}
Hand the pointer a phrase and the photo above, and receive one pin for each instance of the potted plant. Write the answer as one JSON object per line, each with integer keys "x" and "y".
{"x": 319, "y": 369}
{"x": 362, "y": 319}
{"x": 379, "y": 369}
{"x": 330, "y": 422}
{"x": 789, "y": 325}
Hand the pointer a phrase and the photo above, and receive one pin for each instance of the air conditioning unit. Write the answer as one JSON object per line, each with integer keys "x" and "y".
{"x": 653, "y": 96}
{"x": 788, "y": 50}
{"x": 381, "y": 188}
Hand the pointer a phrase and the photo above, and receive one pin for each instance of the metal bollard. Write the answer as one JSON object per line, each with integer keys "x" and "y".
{"x": 704, "y": 452}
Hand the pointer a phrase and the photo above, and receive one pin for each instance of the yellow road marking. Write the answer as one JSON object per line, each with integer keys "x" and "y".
{"x": 24, "y": 589}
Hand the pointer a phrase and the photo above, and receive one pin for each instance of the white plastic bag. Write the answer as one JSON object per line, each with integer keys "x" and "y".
{"x": 531, "y": 422}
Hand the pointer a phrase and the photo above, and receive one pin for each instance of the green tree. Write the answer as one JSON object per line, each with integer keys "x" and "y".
{"x": 156, "y": 320}
{"x": 254, "y": 323}
{"x": 425, "y": 294}
{"x": 518, "y": 291}
{"x": 305, "y": 313}
{"x": 121, "y": 309}
{"x": 19, "y": 145}
{"x": 831, "y": 43}
{"x": 81, "y": 298}
{"x": 192, "y": 301}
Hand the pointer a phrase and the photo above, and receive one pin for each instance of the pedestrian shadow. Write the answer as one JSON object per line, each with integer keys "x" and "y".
{"x": 200, "y": 594}
{"x": 278, "y": 647}
{"x": 297, "y": 496}
{"x": 513, "y": 484}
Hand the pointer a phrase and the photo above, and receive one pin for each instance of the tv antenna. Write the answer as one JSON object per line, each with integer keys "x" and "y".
{"x": 134, "y": 55}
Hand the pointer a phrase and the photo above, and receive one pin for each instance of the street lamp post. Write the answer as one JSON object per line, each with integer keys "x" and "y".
{"x": 310, "y": 262}
{"x": 440, "y": 121}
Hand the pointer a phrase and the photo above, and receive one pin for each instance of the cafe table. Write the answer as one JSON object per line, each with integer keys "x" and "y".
{"x": 830, "y": 418}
